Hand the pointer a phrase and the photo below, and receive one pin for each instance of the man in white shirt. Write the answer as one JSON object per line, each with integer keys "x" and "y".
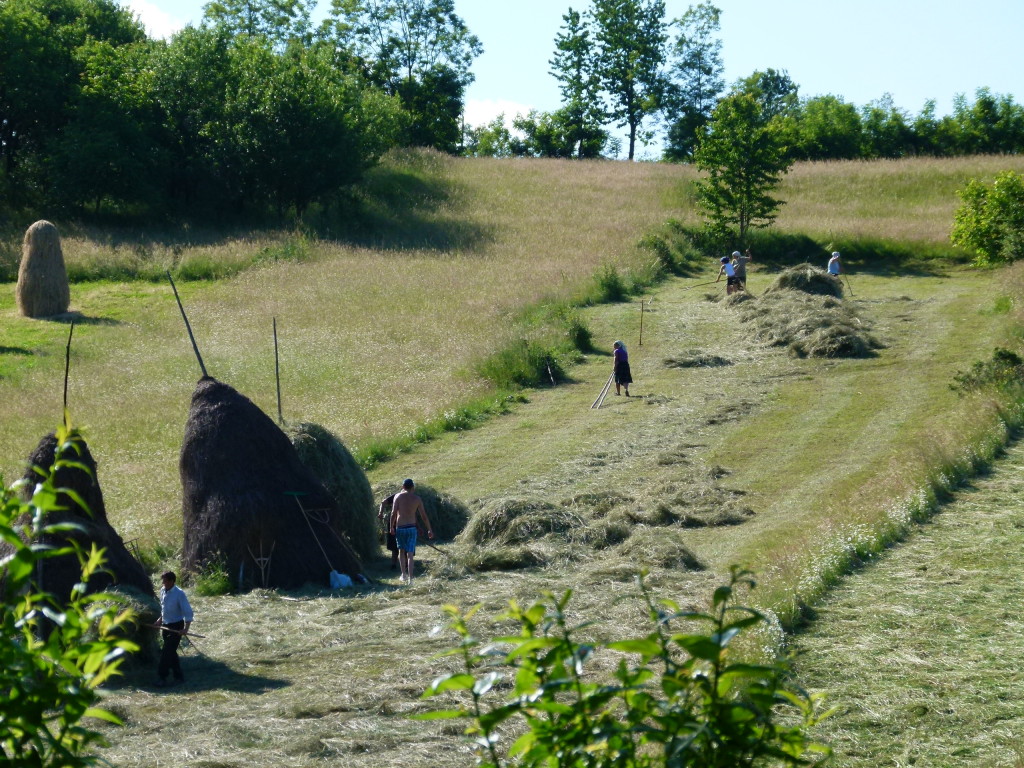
{"x": 175, "y": 619}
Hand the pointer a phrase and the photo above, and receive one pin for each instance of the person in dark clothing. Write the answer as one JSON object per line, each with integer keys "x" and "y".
{"x": 384, "y": 515}
{"x": 623, "y": 376}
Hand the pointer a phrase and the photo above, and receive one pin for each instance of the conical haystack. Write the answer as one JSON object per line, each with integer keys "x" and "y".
{"x": 243, "y": 483}
{"x": 58, "y": 575}
{"x": 329, "y": 459}
{"x": 42, "y": 288}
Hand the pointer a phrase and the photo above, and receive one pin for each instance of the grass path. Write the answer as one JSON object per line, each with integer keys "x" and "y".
{"x": 921, "y": 649}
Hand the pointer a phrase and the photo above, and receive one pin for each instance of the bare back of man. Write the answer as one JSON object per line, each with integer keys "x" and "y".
{"x": 406, "y": 509}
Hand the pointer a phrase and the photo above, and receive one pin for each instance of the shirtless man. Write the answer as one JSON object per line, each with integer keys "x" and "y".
{"x": 406, "y": 508}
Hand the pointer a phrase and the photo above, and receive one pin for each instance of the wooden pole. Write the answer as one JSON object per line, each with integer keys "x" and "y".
{"x": 641, "y": 343}
{"x": 67, "y": 366}
{"x": 192, "y": 338}
{"x": 277, "y": 375}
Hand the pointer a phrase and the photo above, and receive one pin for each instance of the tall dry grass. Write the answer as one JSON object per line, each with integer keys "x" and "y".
{"x": 908, "y": 200}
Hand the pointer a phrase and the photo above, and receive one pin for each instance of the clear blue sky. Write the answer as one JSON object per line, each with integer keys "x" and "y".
{"x": 858, "y": 49}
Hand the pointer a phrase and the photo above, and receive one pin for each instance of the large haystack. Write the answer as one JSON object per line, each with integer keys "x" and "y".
{"x": 240, "y": 475}
{"x": 57, "y": 575}
{"x": 42, "y": 288}
{"x": 329, "y": 459}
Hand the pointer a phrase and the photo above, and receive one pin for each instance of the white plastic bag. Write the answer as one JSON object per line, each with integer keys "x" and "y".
{"x": 340, "y": 580}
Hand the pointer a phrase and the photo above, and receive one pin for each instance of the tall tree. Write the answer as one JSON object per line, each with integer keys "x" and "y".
{"x": 745, "y": 161}
{"x": 827, "y": 128}
{"x": 277, "y": 20}
{"x": 573, "y": 66}
{"x": 697, "y": 78}
{"x": 775, "y": 90}
{"x": 631, "y": 37}
{"x": 418, "y": 50}
{"x": 40, "y": 75}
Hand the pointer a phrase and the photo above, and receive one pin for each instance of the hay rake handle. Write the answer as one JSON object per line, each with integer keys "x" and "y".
{"x": 604, "y": 392}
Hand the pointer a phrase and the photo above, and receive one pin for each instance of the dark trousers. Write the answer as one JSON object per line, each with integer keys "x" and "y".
{"x": 169, "y": 655}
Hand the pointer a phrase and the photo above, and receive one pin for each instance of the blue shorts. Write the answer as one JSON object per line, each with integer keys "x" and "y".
{"x": 406, "y": 536}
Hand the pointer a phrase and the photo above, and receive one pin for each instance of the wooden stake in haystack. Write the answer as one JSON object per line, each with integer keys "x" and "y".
{"x": 43, "y": 288}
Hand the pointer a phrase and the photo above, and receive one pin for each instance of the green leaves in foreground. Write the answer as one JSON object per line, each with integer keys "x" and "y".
{"x": 53, "y": 657}
{"x": 673, "y": 698}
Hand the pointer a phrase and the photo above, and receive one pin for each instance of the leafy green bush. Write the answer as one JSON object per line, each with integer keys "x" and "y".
{"x": 53, "y": 657}
{"x": 1004, "y": 370}
{"x": 990, "y": 222}
{"x": 676, "y": 698}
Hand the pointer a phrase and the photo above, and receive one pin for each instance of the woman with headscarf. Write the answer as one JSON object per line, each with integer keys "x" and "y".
{"x": 623, "y": 377}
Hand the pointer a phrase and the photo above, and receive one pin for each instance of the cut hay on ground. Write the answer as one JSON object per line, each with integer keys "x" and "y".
{"x": 58, "y": 575}
{"x": 328, "y": 458}
{"x": 512, "y": 533}
{"x": 447, "y": 514}
{"x": 42, "y": 289}
{"x": 695, "y": 359}
{"x": 803, "y": 312}
{"x": 660, "y": 548}
{"x": 242, "y": 485}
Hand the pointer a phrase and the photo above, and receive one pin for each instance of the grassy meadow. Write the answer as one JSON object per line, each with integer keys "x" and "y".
{"x": 830, "y": 460}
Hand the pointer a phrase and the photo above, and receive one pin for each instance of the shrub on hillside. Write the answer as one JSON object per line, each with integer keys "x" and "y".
{"x": 990, "y": 221}
{"x": 1003, "y": 371}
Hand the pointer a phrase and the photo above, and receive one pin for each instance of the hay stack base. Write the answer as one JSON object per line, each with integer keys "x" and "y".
{"x": 243, "y": 483}
{"x": 42, "y": 289}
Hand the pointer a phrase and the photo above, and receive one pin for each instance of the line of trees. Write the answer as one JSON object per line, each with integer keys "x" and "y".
{"x": 621, "y": 63}
{"x": 251, "y": 110}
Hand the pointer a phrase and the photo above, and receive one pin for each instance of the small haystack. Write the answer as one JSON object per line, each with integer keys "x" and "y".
{"x": 42, "y": 289}
{"x": 803, "y": 310}
{"x": 518, "y": 521}
{"x": 58, "y": 575}
{"x": 447, "y": 514}
{"x": 243, "y": 483}
{"x": 324, "y": 453}
{"x": 807, "y": 279}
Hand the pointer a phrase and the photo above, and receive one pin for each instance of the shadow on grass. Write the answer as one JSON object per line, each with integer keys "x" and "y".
{"x": 14, "y": 351}
{"x": 202, "y": 673}
{"x": 79, "y": 319}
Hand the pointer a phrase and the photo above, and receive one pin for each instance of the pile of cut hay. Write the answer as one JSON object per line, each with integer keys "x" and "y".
{"x": 804, "y": 312}
{"x": 695, "y": 359}
{"x": 523, "y": 532}
{"x": 42, "y": 289}
{"x": 324, "y": 453}
{"x": 447, "y": 514}
{"x": 807, "y": 279}
{"x": 661, "y": 547}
